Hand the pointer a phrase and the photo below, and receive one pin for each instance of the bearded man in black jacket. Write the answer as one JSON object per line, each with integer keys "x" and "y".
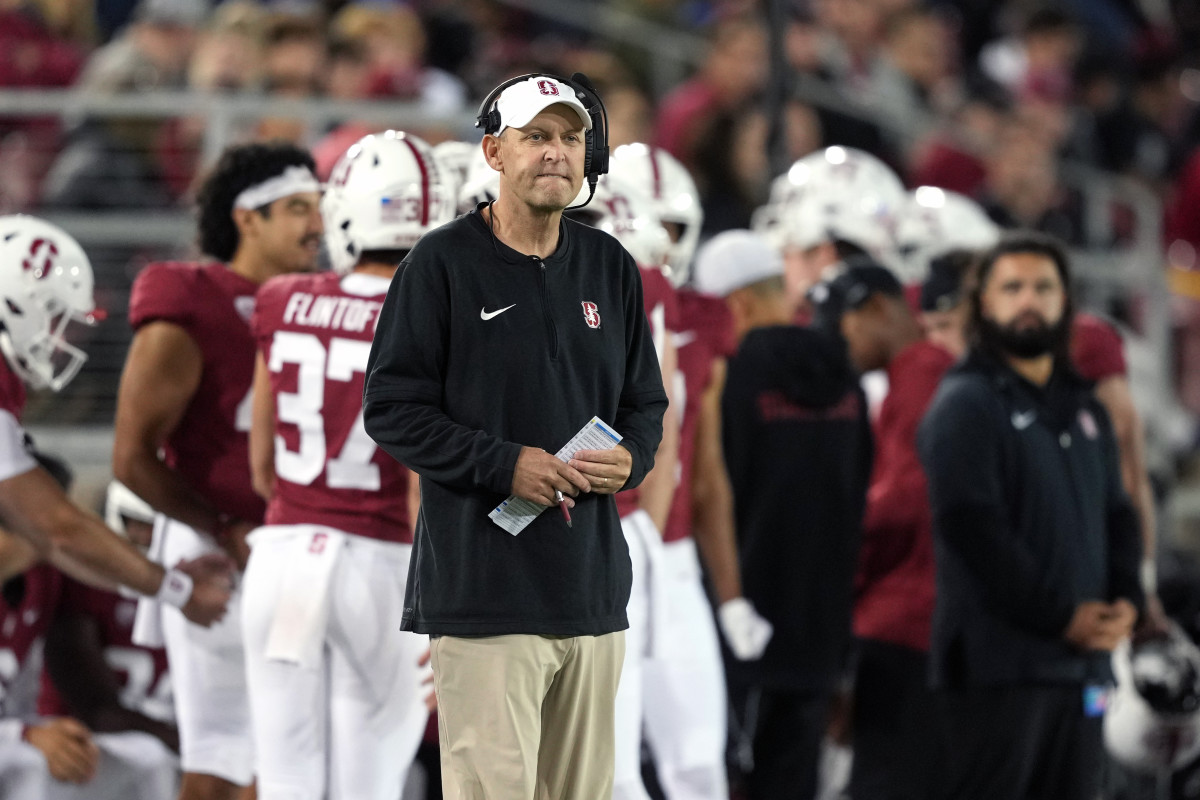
{"x": 1036, "y": 542}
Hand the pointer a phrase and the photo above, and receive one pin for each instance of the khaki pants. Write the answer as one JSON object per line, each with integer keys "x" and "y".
{"x": 527, "y": 717}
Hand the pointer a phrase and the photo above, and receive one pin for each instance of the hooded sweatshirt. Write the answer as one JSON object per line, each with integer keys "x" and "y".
{"x": 798, "y": 446}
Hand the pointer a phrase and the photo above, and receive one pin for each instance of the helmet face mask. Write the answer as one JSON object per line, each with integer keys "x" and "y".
{"x": 658, "y": 176}
{"x": 384, "y": 193}
{"x": 481, "y": 183}
{"x": 620, "y": 209}
{"x": 937, "y": 221}
{"x": 45, "y": 285}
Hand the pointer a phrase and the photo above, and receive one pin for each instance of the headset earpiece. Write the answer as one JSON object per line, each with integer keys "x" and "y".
{"x": 595, "y": 161}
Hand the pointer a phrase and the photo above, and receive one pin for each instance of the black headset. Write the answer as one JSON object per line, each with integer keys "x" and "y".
{"x": 595, "y": 162}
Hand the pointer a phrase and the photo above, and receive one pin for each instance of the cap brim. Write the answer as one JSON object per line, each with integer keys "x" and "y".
{"x": 520, "y": 121}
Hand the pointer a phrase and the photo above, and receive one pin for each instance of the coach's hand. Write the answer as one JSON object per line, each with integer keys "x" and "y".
{"x": 538, "y": 475}
{"x": 605, "y": 470}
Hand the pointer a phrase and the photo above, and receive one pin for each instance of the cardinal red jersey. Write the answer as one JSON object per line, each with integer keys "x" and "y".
{"x": 705, "y": 334}
{"x": 895, "y": 582}
{"x": 27, "y": 605}
{"x": 12, "y": 391}
{"x": 658, "y": 297}
{"x": 1097, "y": 351}
{"x": 315, "y": 333}
{"x": 209, "y": 446}
{"x": 141, "y": 673}
{"x": 15, "y": 458}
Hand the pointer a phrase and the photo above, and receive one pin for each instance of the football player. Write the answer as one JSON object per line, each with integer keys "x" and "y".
{"x": 619, "y": 208}
{"x": 45, "y": 288}
{"x": 684, "y": 683}
{"x": 185, "y": 393}
{"x": 335, "y": 688}
{"x": 95, "y": 673}
{"x": 58, "y": 755}
{"x": 830, "y": 205}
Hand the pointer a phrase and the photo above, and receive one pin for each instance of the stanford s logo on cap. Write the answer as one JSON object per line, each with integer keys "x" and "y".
{"x": 591, "y": 315}
{"x": 547, "y": 87}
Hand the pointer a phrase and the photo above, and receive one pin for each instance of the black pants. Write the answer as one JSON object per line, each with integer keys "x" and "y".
{"x": 897, "y": 727}
{"x": 786, "y": 730}
{"x": 1020, "y": 743}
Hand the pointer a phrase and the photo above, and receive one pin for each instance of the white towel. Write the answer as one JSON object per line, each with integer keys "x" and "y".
{"x": 147, "y": 622}
{"x": 308, "y": 555}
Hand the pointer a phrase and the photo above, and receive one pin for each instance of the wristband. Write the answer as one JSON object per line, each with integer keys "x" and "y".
{"x": 175, "y": 589}
{"x": 1149, "y": 576}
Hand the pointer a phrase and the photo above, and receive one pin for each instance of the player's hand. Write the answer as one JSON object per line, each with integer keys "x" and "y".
{"x": 1096, "y": 625}
{"x": 234, "y": 542}
{"x": 71, "y": 755}
{"x": 538, "y": 475}
{"x": 605, "y": 470}
{"x": 427, "y": 679}
{"x": 746, "y": 631}
{"x": 212, "y": 585}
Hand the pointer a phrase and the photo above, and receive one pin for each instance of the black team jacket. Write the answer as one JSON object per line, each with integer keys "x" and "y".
{"x": 479, "y": 350}
{"x": 1029, "y": 519}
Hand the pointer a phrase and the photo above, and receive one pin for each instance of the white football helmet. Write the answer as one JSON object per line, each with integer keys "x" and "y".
{"x": 45, "y": 284}
{"x": 1153, "y": 717}
{"x": 454, "y": 158}
{"x": 838, "y": 193}
{"x": 660, "y": 176}
{"x": 384, "y": 193}
{"x": 482, "y": 184}
{"x": 619, "y": 208}
{"x": 936, "y": 222}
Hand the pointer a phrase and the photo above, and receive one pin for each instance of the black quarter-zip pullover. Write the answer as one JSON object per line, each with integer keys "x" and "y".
{"x": 480, "y": 350}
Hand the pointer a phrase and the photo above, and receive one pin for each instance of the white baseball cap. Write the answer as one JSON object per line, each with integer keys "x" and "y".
{"x": 733, "y": 259}
{"x": 521, "y": 102}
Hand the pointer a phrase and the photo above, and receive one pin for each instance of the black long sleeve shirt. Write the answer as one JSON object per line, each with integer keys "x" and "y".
{"x": 480, "y": 350}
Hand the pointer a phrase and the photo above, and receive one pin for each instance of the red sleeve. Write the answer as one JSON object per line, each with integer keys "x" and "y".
{"x": 269, "y": 302}
{"x": 163, "y": 292}
{"x": 1182, "y": 220}
{"x": 1096, "y": 349}
{"x": 12, "y": 391}
{"x": 657, "y": 291}
{"x": 716, "y": 326}
{"x": 897, "y": 501}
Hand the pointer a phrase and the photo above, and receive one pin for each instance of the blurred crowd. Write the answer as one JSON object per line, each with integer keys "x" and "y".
{"x": 993, "y": 100}
{"x": 983, "y": 98}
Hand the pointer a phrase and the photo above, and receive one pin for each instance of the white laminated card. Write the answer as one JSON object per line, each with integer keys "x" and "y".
{"x": 515, "y": 513}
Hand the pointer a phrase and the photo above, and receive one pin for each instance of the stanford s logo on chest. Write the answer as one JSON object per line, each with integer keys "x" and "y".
{"x": 591, "y": 315}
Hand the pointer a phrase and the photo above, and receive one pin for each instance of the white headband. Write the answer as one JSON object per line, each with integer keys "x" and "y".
{"x": 293, "y": 180}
